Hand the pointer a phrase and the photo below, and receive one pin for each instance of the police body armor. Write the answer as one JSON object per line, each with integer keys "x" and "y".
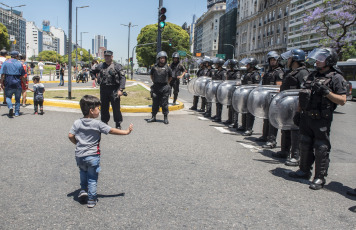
{"x": 161, "y": 74}
{"x": 250, "y": 78}
{"x": 232, "y": 75}
{"x": 272, "y": 76}
{"x": 291, "y": 80}
{"x": 314, "y": 104}
{"x": 109, "y": 76}
{"x": 176, "y": 70}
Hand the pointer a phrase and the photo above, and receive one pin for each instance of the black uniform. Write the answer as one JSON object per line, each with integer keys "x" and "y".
{"x": 269, "y": 132}
{"x": 177, "y": 70}
{"x": 247, "y": 79}
{"x": 208, "y": 73}
{"x": 315, "y": 121}
{"x": 232, "y": 114}
{"x": 293, "y": 79}
{"x": 160, "y": 90}
{"x": 200, "y": 73}
{"x": 110, "y": 81}
{"x": 219, "y": 75}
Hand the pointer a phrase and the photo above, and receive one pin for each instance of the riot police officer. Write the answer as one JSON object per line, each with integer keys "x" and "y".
{"x": 161, "y": 76}
{"x": 178, "y": 72}
{"x": 273, "y": 76}
{"x": 293, "y": 79}
{"x": 219, "y": 74}
{"x": 251, "y": 77}
{"x": 232, "y": 74}
{"x": 112, "y": 83}
{"x": 209, "y": 73}
{"x": 324, "y": 89}
{"x": 200, "y": 73}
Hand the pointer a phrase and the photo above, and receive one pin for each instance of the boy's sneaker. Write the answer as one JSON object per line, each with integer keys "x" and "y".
{"x": 17, "y": 114}
{"x": 11, "y": 112}
{"x": 35, "y": 113}
{"x": 82, "y": 195}
{"x": 91, "y": 203}
{"x": 41, "y": 112}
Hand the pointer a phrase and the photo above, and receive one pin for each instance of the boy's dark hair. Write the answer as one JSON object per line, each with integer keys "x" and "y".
{"x": 89, "y": 102}
{"x": 36, "y": 78}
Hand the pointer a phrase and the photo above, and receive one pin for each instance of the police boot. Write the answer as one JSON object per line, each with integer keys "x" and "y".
{"x": 203, "y": 105}
{"x": 270, "y": 144}
{"x": 208, "y": 111}
{"x": 321, "y": 167}
{"x": 230, "y": 115}
{"x": 218, "y": 113}
{"x": 175, "y": 96}
{"x": 300, "y": 174}
{"x": 317, "y": 183}
{"x": 293, "y": 160}
{"x": 153, "y": 119}
{"x": 250, "y": 119}
{"x": 243, "y": 123}
{"x": 195, "y": 103}
{"x": 247, "y": 133}
{"x": 263, "y": 138}
{"x": 118, "y": 125}
{"x": 285, "y": 145}
{"x": 165, "y": 121}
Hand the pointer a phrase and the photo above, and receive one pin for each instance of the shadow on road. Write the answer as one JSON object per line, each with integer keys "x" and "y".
{"x": 76, "y": 193}
{"x": 283, "y": 173}
{"x": 274, "y": 160}
{"x": 338, "y": 187}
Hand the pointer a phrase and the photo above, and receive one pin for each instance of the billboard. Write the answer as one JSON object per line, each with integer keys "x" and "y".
{"x": 230, "y": 5}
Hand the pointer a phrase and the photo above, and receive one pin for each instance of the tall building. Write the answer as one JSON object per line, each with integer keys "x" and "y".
{"x": 34, "y": 39}
{"x": 16, "y": 26}
{"x": 97, "y": 42}
{"x": 206, "y": 35}
{"x": 60, "y": 34}
{"x": 191, "y": 34}
{"x": 262, "y": 26}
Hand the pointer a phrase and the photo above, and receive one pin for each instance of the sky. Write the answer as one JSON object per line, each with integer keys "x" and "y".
{"x": 104, "y": 17}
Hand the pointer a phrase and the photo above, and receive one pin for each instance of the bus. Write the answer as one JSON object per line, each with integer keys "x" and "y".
{"x": 349, "y": 71}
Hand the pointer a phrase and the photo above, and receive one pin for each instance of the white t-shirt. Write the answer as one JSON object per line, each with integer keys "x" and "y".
{"x": 40, "y": 65}
{"x": 2, "y": 60}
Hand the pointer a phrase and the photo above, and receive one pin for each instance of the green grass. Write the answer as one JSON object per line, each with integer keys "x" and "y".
{"x": 137, "y": 95}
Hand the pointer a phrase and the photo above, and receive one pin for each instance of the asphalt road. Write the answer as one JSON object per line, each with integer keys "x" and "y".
{"x": 190, "y": 174}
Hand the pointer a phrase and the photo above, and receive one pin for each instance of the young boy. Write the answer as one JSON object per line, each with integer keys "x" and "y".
{"x": 38, "y": 89}
{"x": 85, "y": 134}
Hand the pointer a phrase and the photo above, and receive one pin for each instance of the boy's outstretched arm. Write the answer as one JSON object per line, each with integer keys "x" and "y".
{"x": 121, "y": 132}
{"x": 72, "y": 138}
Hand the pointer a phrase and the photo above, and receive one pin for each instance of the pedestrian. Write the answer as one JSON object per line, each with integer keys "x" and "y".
{"x": 3, "y": 54}
{"x": 12, "y": 73}
{"x": 161, "y": 76}
{"x": 232, "y": 73}
{"x": 61, "y": 74}
{"x": 112, "y": 85}
{"x": 86, "y": 135}
{"x": 94, "y": 63}
{"x": 24, "y": 86}
{"x": 32, "y": 65}
{"x": 219, "y": 74}
{"x": 273, "y": 76}
{"x": 293, "y": 79}
{"x": 38, "y": 91}
{"x": 40, "y": 67}
{"x": 324, "y": 89}
{"x": 178, "y": 72}
{"x": 251, "y": 77}
{"x": 58, "y": 68}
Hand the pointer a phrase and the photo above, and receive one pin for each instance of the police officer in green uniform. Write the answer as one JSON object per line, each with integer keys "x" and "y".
{"x": 251, "y": 77}
{"x": 178, "y": 72}
{"x": 112, "y": 83}
{"x": 273, "y": 76}
{"x": 161, "y": 76}
{"x": 324, "y": 89}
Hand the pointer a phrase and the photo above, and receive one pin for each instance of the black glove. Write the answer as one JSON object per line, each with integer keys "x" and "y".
{"x": 321, "y": 89}
{"x": 296, "y": 119}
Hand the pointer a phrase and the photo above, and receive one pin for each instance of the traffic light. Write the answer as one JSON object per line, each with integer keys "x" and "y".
{"x": 170, "y": 42}
{"x": 162, "y": 17}
{"x": 130, "y": 60}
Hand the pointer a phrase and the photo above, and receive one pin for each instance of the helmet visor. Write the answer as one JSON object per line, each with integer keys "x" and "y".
{"x": 226, "y": 64}
{"x": 199, "y": 61}
{"x": 317, "y": 55}
{"x": 244, "y": 61}
{"x": 286, "y": 55}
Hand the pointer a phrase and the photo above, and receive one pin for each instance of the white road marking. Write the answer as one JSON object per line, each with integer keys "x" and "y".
{"x": 251, "y": 147}
{"x": 223, "y": 130}
{"x": 203, "y": 118}
{"x": 146, "y": 82}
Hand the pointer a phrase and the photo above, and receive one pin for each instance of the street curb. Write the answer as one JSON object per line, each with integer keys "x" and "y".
{"x": 124, "y": 109}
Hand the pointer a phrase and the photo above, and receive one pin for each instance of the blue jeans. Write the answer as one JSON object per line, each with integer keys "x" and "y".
{"x": 61, "y": 80}
{"x": 41, "y": 71}
{"x": 9, "y": 92}
{"x": 89, "y": 168}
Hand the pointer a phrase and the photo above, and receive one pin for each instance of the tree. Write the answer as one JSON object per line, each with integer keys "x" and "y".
{"x": 50, "y": 55}
{"x": 333, "y": 19}
{"x": 349, "y": 51}
{"x": 146, "y": 55}
{"x": 4, "y": 37}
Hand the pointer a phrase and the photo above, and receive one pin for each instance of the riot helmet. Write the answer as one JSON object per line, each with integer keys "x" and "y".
{"x": 175, "y": 55}
{"x": 327, "y": 55}
{"x": 3, "y": 52}
{"x": 207, "y": 60}
{"x": 218, "y": 62}
{"x": 162, "y": 54}
{"x": 297, "y": 55}
{"x": 272, "y": 54}
{"x": 230, "y": 64}
{"x": 251, "y": 61}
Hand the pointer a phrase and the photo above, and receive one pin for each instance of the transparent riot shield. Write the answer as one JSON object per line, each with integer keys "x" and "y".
{"x": 210, "y": 90}
{"x": 283, "y": 108}
{"x": 200, "y": 84}
{"x": 240, "y": 96}
{"x": 260, "y": 98}
{"x": 225, "y": 91}
{"x": 191, "y": 86}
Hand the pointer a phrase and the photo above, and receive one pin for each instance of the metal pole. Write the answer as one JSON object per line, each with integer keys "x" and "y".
{"x": 132, "y": 62}
{"x": 76, "y": 40}
{"x": 70, "y": 51}
{"x": 159, "y": 45}
{"x": 128, "y": 49}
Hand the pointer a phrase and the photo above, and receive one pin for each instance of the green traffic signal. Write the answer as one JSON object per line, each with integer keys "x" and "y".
{"x": 162, "y": 25}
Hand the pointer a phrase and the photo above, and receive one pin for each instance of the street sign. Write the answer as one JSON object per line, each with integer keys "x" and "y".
{"x": 182, "y": 53}
{"x": 12, "y": 38}
{"x": 222, "y": 56}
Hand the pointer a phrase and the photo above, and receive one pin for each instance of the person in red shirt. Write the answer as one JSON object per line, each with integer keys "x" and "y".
{"x": 23, "y": 85}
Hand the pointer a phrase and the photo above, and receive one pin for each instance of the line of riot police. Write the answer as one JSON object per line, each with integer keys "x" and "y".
{"x": 293, "y": 99}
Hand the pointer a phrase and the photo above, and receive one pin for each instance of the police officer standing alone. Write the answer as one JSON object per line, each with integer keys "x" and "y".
{"x": 293, "y": 79}
{"x": 325, "y": 88}
{"x": 161, "y": 76}
{"x": 273, "y": 76}
{"x": 178, "y": 72}
{"x": 112, "y": 84}
{"x": 251, "y": 77}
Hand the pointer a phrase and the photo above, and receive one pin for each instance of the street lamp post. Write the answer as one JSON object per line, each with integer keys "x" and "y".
{"x": 233, "y": 53}
{"x": 128, "y": 47}
{"x": 81, "y": 40}
{"x": 11, "y": 7}
{"x": 76, "y": 37}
